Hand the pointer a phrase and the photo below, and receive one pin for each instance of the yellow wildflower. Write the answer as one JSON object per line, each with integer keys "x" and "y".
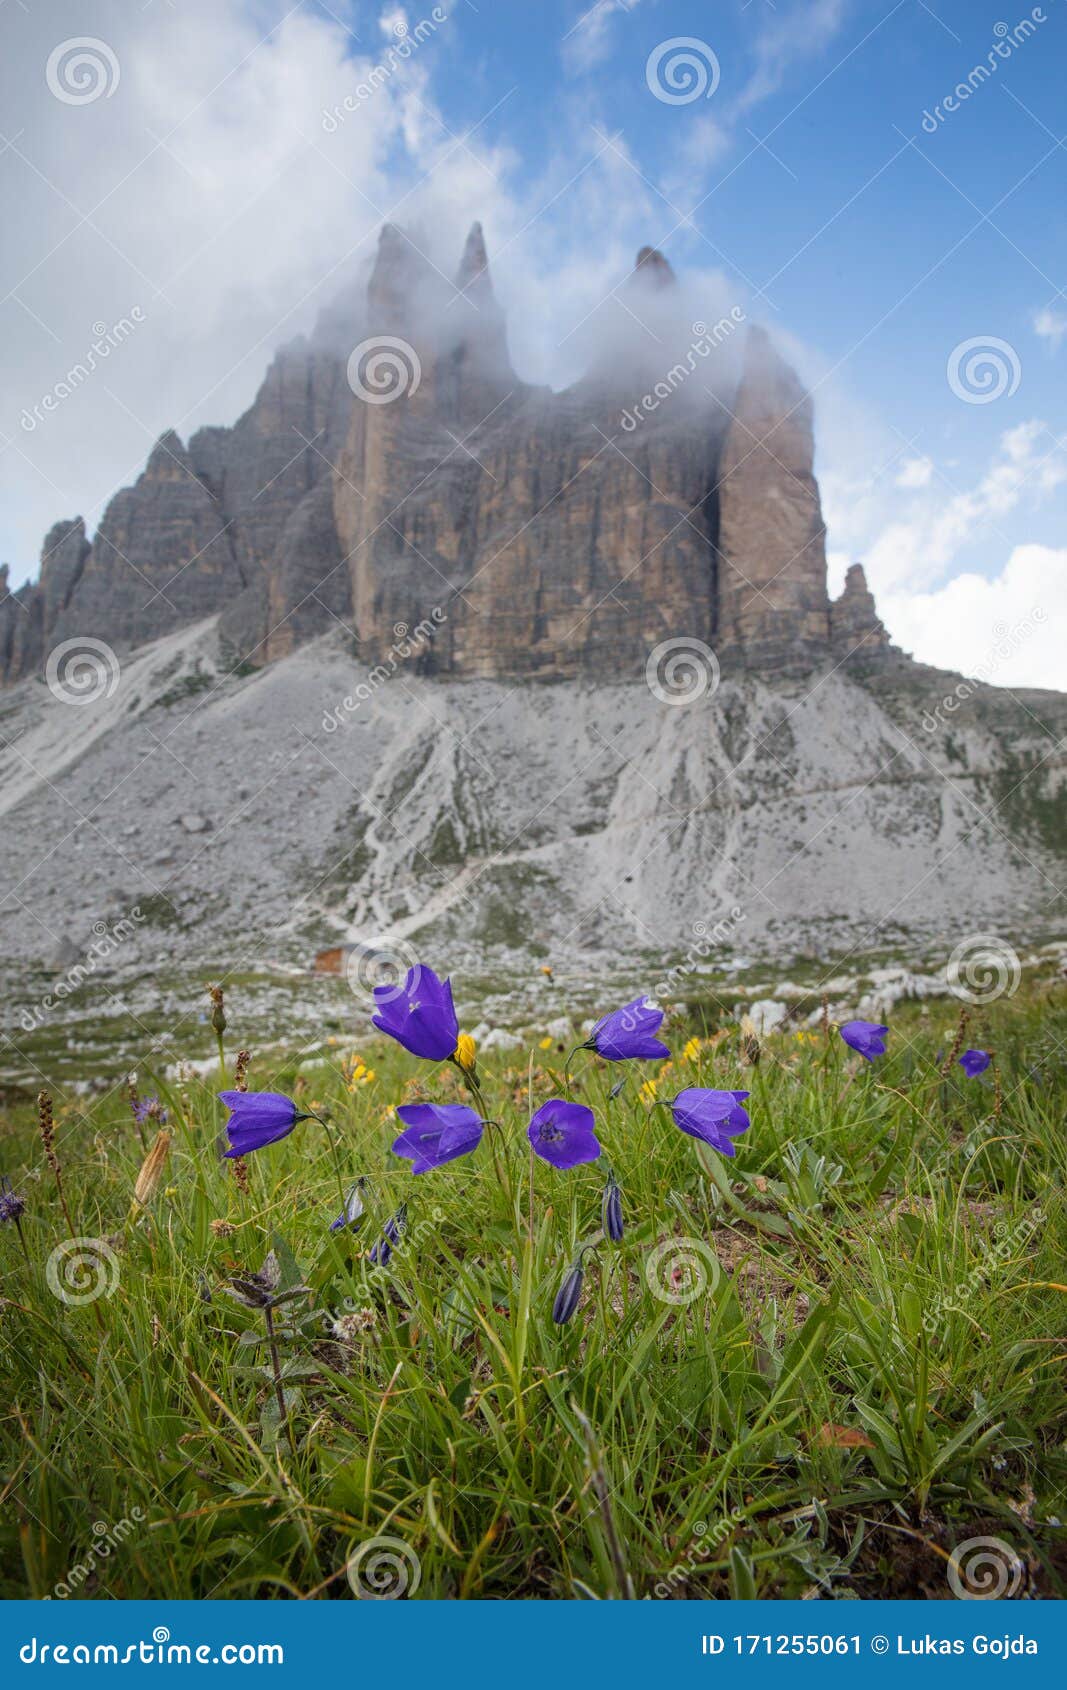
{"x": 546, "y": 1044}
{"x": 466, "y": 1052}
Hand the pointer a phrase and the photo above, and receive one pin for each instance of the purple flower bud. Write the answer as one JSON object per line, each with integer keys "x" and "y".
{"x": 383, "y": 1250}
{"x": 611, "y": 1210}
{"x": 569, "y": 1295}
{"x": 353, "y": 1210}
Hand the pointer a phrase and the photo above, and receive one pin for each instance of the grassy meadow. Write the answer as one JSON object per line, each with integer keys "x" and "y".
{"x": 815, "y": 1371}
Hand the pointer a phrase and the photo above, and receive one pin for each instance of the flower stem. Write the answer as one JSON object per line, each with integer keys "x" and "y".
{"x": 279, "y": 1389}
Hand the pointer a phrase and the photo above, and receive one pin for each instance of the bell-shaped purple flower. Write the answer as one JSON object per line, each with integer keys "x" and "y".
{"x": 562, "y": 1133}
{"x": 714, "y": 1116}
{"x": 628, "y": 1032}
{"x": 437, "y": 1133}
{"x": 868, "y": 1037}
{"x": 975, "y": 1062}
{"x": 419, "y": 1014}
{"x": 258, "y": 1118}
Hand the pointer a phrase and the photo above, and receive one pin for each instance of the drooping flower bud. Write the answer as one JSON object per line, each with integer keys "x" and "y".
{"x": 391, "y": 1232}
{"x": 611, "y": 1210}
{"x": 569, "y": 1294}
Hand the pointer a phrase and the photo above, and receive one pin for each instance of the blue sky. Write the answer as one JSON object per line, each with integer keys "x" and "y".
{"x": 806, "y": 187}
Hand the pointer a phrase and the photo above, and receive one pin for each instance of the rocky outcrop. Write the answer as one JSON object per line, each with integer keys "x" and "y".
{"x": 855, "y": 627}
{"x": 393, "y": 469}
{"x": 773, "y": 606}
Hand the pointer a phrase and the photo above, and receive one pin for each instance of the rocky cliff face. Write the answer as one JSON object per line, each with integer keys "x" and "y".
{"x": 394, "y": 472}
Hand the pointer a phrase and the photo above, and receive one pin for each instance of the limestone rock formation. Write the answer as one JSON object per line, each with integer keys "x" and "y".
{"x": 854, "y": 623}
{"x": 393, "y": 467}
{"x": 772, "y": 562}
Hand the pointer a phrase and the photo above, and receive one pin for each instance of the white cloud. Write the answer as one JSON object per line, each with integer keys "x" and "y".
{"x": 910, "y": 543}
{"x": 588, "y": 42}
{"x": 915, "y": 472}
{"x": 1009, "y": 630}
{"x": 786, "y": 40}
{"x": 209, "y": 192}
{"x": 1050, "y": 325}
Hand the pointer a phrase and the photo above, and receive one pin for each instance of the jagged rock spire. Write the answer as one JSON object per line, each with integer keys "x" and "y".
{"x": 473, "y": 273}
{"x": 651, "y": 269}
{"x": 772, "y": 600}
{"x": 854, "y": 621}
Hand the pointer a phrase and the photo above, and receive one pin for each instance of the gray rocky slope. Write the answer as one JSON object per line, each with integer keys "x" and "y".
{"x": 236, "y": 821}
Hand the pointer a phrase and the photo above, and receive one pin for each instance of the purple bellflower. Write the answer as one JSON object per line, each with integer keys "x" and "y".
{"x": 975, "y": 1062}
{"x": 716, "y": 1117}
{"x": 436, "y": 1133}
{"x": 419, "y": 1014}
{"x": 258, "y": 1118}
{"x": 562, "y": 1133}
{"x": 868, "y": 1037}
{"x": 628, "y": 1032}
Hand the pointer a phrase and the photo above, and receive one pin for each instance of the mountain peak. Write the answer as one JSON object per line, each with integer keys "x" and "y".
{"x": 473, "y": 272}
{"x": 652, "y": 268}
